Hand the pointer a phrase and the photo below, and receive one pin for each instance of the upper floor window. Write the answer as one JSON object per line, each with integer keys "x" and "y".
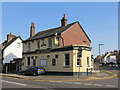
{"x": 56, "y": 41}
{"x": 43, "y": 42}
{"x": 38, "y": 44}
{"x": 49, "y": 42}
{"x": 18, "y": 44}
{"x": 84, "y": 42}
{"x": 67, "y": 59}
{"x": 56, "y": 56}
{"x": 29, "y": 46}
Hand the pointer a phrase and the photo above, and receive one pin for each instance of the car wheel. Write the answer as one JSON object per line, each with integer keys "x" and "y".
{"x": 23, "y": 73}
{"x": 34, "y": 74}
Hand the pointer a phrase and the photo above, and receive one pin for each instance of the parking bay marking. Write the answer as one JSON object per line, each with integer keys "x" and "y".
{"x": 14, "y": 83}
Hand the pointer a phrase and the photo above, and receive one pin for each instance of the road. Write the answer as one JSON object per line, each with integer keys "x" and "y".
{"x": 51, "y": 85}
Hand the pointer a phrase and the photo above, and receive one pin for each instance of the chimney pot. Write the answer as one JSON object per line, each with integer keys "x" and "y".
{"x": 32, "y": 29}
{"x": 32, "y": 24}
{"x": 64, "y": 16}
{"x": 10, "y": 36}
{"x": 64, "y": 21}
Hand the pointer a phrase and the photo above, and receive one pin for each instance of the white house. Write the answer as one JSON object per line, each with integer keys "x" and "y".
{"x": 110, "y": 57}
{"x": 11, "y": 50}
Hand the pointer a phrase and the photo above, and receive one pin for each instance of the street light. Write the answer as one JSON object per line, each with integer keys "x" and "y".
{"x": 99, "y": 55}
{"x": 99, "y": 48}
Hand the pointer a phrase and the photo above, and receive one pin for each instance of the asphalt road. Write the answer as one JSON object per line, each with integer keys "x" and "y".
{"x": 51, "y": 85}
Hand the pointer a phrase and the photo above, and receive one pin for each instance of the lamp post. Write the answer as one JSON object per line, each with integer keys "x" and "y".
{"x": 99, "y": 49}
{"x": 99, "y": 55}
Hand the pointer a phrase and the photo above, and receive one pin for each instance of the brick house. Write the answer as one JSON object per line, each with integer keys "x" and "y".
{"x": 56, "y": 49}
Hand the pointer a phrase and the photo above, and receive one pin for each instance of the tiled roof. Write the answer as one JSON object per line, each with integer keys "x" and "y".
{"x": 50, "y": 32}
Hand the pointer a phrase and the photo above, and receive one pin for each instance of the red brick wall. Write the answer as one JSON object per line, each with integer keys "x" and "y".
{"x": 75, "y": 36}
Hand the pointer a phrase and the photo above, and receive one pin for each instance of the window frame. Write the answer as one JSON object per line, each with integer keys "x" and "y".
{"x": 50, "y": 42}
{"x": 67, "y": 60}
{"x": 38, "y": 44}
{"x": 54, "y": 63}
{"x": 28, "y": 46}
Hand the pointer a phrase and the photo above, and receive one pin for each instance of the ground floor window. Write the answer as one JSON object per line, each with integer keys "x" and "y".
{"x": 34, "y": 62}
{"x": 88, "y": 63}
{"x": 53, "y": 62}
{"x": 28, "y": 61}
{"x": 67, "y": 59}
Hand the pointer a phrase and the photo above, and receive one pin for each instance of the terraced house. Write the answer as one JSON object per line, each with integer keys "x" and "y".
{"x": 56, "y": 49}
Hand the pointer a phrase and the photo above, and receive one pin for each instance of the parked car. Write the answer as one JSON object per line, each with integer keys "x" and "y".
{"x": 31, "y": 70}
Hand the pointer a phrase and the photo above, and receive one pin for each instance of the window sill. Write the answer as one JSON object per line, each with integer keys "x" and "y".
{"x": 79, "y": 66}
{"x": 66, "y": 66}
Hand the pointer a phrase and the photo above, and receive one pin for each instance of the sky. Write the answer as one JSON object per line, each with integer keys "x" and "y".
{"x": 98, "y": 19}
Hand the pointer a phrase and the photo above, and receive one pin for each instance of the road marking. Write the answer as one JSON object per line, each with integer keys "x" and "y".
{"x": 77, "y": 83}
{"x": 87, "y": 84}
{"x": 110, "y": 85}
{"x": 59, "y": 81}
{"x": 113, "y": 75}
{"x": 52, "y": 81}
{"x": 14, "y": 83}
{"x": 97, "y": 84}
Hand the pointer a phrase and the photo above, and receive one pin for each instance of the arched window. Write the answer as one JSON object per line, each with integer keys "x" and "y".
{"x": 53, "y": 62}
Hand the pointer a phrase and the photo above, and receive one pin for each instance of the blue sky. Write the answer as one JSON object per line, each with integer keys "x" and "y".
{"x": 98, "y": 19}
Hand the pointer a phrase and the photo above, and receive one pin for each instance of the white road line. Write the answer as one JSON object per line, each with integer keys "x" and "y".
{"x": 97, "y": 84}
{"x": 87, "y": 84}
{"x": 14, "y": 83}
{"x": 77, "y": 83}
{"x": 59, "y": 81}
{"x": 110, "y": 85}
{"x": 67, "y": 82}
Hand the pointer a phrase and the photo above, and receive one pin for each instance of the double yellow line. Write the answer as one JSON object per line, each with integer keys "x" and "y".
{"x": 90, "y": 78}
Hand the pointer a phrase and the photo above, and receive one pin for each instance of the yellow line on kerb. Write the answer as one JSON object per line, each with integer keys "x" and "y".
{"x": 90, "y": 78}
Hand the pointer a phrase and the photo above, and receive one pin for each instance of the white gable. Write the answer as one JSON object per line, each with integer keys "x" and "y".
{"x": 14, "y": 50}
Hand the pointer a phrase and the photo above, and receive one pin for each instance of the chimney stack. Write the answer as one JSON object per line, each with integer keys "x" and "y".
{"x": 32, "y": 29}
{"x": 10, "y": 36}
{"x": 64, "y": 21}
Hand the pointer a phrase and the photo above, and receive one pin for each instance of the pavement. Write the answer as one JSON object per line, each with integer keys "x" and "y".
{"x": 96, "y": 75}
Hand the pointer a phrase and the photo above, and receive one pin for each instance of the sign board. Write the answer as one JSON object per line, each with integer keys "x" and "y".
{"x": 43, "y": 62}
